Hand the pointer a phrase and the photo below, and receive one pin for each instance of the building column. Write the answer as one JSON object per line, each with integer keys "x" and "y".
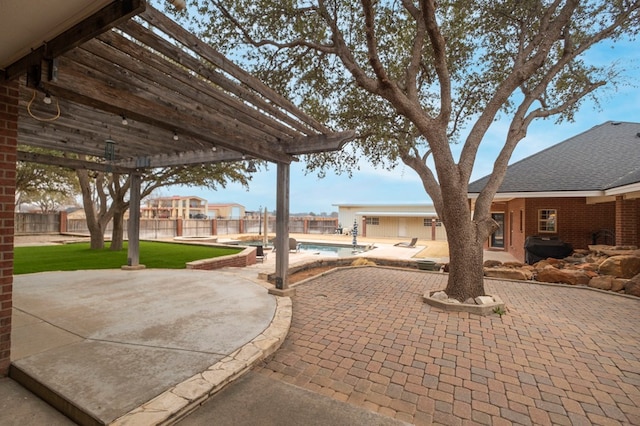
{"x": 9, "y": 95}
{"x": 282, "y": 232}
{"x": 626, "y": 222}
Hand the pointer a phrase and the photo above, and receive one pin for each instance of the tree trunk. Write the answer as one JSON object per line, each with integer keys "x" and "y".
{"x": 117, "y": 233}
{"x": 97, "y": 235}
{"x": 466, "y": 274}
{"x": 466, "y": 239}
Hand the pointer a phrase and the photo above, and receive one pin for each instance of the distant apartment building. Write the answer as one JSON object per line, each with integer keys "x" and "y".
{"x": 175, "y": 207}
{"x": 189, "y": 207}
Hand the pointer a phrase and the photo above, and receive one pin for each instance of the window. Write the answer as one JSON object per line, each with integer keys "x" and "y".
{"x": 373, "y": 221}
{"x": 547, "y": 220}
{"x": 427, "y": 222}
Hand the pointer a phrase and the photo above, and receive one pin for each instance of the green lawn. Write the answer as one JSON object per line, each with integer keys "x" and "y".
{"x": 76, "y": 256}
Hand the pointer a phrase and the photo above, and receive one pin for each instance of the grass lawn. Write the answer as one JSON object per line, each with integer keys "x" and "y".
{"x": 76, "y": 256}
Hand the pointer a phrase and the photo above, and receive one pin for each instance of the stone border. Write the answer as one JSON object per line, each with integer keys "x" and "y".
{"x": 179, "y": 401}
{"x": 484, "y": 309}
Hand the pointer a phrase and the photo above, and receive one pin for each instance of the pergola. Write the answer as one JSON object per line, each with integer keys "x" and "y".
{"x": 132, "y": 94}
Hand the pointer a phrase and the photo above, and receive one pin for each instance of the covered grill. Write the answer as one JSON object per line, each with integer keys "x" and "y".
{"x": 537, "y": 248}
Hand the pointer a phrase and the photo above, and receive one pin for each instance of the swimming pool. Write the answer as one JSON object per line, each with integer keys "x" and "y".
{"x": 339, "y": 250}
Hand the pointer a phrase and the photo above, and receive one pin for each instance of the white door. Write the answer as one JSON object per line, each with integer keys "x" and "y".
{"x": 402, "y": 227}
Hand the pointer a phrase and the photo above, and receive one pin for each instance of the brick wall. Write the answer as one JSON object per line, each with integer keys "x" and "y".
{"x": 8, "y": 141}
{"x": 576, "y": 220}
{"x": 245, "y": 258}
{"x": 627, "y": 221}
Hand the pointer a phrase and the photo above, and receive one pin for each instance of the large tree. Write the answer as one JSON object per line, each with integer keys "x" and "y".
{"x": 49, "y": 187}
{"x": 106, "y": 195}
{"x": 414, "y": 76}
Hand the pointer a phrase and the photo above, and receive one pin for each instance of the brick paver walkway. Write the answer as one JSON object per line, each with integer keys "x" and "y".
{"x": 561, "y": 355}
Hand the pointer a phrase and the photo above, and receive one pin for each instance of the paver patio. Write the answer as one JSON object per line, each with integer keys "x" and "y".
{"x": 561, "y": 355}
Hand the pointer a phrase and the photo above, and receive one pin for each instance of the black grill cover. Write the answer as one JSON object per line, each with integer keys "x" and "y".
{"x": 537, "y": 248}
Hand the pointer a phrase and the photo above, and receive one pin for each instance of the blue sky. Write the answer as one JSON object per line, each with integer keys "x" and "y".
{"x": 308, "y": 193}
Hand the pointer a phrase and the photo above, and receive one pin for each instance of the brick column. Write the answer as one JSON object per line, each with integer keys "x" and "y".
{"x": 8, "y": 141}
{"x": 626, "y": 222}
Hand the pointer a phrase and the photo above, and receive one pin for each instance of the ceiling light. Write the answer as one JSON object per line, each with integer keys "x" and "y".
{"x": 244, "y": 156}
{"x": 47, "y": 99}
{"x": 214, "y": 148}
{"x": 175, "y": 136}
{"x": 124, "y": 120}
{"x": 178, "y": 4}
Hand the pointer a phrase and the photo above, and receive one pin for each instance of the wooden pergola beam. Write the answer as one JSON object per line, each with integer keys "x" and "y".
{"x": 71, "y": 163}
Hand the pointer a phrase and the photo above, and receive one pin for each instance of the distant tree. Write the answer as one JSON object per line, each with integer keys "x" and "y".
{"x": 106, "y": 195}
{"x": 414, "y": 76}
{"x": 48, "y": 187}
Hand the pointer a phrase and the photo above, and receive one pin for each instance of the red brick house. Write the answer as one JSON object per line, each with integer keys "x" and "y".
{"x": 584, "y": 190}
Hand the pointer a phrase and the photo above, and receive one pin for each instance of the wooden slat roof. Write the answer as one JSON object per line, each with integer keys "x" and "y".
{"x": 165, "y": 82}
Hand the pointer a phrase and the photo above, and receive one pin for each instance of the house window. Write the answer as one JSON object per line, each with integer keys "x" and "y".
{"x": 373, "y": 221}
{"x": 547, "y": 220}
{"x": 427, "y": 222}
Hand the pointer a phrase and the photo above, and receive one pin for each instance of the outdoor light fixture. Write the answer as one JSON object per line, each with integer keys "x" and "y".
{"x": 175, "y": 136}
{"x": 110, "y": 150}
{"x": 214, "y": 148}
{"x": 47, "y": 99}
{"x": 244, "y": 157}
{"x": 124, "y": 120}
{"x": 251, "y": 166}
{"x": 178, "y": 4}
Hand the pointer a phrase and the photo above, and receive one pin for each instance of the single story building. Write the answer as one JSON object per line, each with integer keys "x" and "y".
{"x": 392, "y": 220}
{"x": 585, "y": 190}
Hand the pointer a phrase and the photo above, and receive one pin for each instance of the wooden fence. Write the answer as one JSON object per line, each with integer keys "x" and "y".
{"x": 54, "y": 223}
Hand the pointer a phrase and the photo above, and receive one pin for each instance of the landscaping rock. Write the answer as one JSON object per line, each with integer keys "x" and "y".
{"x": 484, "y": 300}
{"x": 632, "y": 286}
{"x": 491, "y": 263}
{"x": 439, "y": 295}
{"x": 553, "y": 275}
{"x": 617, "y": 284}
{"x": 603, "y": 282}
{"x": 508, "y": 273}
{"x": 625, "y": 266}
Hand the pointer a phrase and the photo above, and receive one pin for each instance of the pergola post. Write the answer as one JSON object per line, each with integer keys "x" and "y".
{"x": 282, "y": 232}
{"x": 133, "y": 255}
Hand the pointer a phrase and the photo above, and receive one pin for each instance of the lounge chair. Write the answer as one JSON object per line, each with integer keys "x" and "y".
{"x": 408, "y": 245}
{"x": 260, "y": 254}
{"x": 294, "y": 245}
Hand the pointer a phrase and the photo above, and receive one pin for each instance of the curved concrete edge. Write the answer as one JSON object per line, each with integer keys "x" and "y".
{"x": 177, "y": 402}
{"x": 484, "y": 309}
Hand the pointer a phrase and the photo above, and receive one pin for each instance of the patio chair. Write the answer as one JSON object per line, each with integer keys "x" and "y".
{"x": 260, "y": 254}
{"x": 412, "y": 244}
{"x": 294, "y": 245}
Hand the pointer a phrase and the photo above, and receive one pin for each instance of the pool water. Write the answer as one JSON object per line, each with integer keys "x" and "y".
{"x": 331, "y": 249}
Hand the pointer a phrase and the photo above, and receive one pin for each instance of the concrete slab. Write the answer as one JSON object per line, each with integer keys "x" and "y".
{"x": 19, "y": 407}
{"x": 275, "y": 403}
{"x": 109, "y": 341}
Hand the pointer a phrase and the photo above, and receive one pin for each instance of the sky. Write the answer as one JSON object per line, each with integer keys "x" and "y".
{"x": 308, "y": 193}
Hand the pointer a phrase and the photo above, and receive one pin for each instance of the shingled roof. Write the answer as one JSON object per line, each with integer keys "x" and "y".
{"x": 602, "y": 158}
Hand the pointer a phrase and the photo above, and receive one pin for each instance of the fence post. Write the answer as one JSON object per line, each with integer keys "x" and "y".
{"x": 63, "y": 221}
{"x": 178, "y": 227}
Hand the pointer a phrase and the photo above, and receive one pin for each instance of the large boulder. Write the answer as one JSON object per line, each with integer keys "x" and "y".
{"x": 554, "y": 275}
{"x": 632, "y": 286}
{"x": 624, "y": 266}
{"x": 508, "y": 273}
